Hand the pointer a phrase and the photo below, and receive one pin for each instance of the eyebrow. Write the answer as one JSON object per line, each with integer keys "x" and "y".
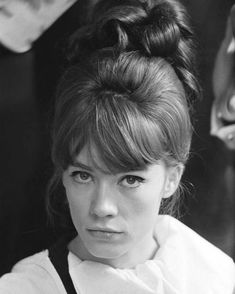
{"x": 82, "y": 165}
{"x": 138, "y": 169}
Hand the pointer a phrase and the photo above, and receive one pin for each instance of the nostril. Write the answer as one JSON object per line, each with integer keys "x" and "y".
{"x": 103, "y": 208}
{"x": 102, "y": 213}
{"x": 104, "y": 200}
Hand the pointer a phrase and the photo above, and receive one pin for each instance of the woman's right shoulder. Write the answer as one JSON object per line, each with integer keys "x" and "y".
{"x": 34, "y": 274}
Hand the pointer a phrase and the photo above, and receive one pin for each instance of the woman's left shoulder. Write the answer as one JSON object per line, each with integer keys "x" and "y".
{"x": 198, "y": 245}
{"x": 199, "y": 260}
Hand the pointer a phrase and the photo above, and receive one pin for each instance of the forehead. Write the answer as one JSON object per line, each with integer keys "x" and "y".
{"x": 90, "y": 158}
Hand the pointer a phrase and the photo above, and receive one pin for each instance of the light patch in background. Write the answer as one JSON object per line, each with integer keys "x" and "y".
{"x": 24, "y": 21}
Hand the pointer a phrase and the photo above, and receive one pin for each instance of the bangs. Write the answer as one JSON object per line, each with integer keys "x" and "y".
{"x": 118, "y": 130}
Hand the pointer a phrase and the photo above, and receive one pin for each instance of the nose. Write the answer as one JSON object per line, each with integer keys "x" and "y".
{"x": 103, "y": 202}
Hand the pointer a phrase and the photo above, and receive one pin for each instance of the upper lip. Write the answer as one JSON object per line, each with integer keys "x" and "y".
{"x": 103, "y": 229}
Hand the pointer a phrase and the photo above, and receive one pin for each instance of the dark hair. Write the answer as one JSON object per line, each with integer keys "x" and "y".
{"x": 128, "y": 89}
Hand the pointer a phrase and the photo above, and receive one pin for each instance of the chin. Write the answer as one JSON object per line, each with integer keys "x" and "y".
{"x": 107, "y": 252}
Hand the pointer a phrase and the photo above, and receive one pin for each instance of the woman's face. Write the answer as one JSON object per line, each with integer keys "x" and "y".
{"x": 115, "y": 214}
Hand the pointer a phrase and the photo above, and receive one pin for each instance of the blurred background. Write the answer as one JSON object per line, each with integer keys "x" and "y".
{"x": 27, "y": 84}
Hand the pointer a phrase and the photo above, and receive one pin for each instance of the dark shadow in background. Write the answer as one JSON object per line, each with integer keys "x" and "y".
{"x": 27, "y": 84}
{"x": 211, "y": 212}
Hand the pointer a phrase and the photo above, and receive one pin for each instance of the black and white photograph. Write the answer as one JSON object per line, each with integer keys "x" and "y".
{"x": 117, "y": 143}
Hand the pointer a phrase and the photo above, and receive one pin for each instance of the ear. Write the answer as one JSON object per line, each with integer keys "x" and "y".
{"x": 174, "y": 175}
{"x": 63, "y": 179}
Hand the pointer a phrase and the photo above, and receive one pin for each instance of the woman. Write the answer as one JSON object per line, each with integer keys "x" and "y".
{"x": 121, "y": 139}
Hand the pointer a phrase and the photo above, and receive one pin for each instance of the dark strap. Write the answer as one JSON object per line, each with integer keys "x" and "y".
{"x": 58, "y": 255}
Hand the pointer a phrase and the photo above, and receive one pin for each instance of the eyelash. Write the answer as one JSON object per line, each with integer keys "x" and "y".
{"x": 138, "y": 179}
{"x": 74, "y": 174}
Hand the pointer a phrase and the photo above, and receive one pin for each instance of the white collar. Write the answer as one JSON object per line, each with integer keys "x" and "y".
{"x": 185, "y": 263}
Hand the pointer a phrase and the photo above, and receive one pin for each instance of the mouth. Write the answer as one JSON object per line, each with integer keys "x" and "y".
{"x": 104, "y": 233}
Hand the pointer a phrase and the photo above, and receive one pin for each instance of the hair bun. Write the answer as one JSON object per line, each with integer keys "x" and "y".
{"x": 153, "y": 27}
{"x": 159, "y": 33}
{"x": 150, "y": 27}
{"x": 105, "y": 28}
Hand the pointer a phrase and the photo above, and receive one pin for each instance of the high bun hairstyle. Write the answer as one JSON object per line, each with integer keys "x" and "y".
{"x": 154, "y": 28}
{"x": 128, "y": 89}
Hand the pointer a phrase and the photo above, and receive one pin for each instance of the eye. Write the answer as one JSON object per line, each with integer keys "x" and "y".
{"x": 81, "y": 177}
{"x": 131, "y": 181}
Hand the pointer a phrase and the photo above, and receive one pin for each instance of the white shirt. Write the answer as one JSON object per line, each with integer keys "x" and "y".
{"x": 185, "y": 263}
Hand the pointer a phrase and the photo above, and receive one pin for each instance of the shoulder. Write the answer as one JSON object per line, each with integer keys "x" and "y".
{"x": 199, "y": 261}
{"x": 34, "y": 274}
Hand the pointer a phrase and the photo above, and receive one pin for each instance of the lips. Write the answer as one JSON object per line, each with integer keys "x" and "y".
{"x": 103, "y": 229}
{"x": 107, "y": 234}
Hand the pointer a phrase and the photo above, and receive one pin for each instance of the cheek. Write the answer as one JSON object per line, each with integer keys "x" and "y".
{"x": 144, "y": 205}
{"x": 142, "y": 218}
{"x": 78, "y": 204}
{"x": 151, "y": 195}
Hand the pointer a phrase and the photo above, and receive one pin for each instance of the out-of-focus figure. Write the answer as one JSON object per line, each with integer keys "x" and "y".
{"x": 223, "y": 117}
{"x": 223, "y": 110}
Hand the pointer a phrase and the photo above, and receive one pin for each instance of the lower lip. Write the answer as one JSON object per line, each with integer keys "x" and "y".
{"x": 103, "y": 235}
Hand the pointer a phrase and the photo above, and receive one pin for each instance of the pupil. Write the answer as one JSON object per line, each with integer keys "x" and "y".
{"x": 131, "y": 180}
{"x": 84, "y": 176}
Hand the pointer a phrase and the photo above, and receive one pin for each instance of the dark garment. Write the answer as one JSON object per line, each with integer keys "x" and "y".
{"x": 58, "y": 255}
